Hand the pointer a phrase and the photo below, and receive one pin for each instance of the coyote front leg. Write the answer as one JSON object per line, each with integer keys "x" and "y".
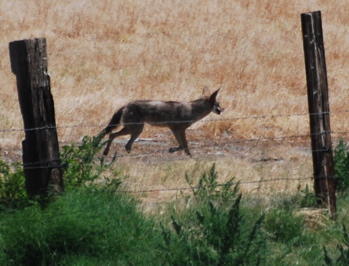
{"x": 179, "y": 134}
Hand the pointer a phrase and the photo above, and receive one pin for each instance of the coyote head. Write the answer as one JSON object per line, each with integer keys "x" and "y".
{"x": 215, "y": 105}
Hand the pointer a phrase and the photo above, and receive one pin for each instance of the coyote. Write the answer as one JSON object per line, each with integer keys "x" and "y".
{"x": 177, "y": 116}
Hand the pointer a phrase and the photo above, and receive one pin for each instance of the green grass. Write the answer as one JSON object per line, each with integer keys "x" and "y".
{"x": 80, "y": 226}
{"x": 94, "y": 224}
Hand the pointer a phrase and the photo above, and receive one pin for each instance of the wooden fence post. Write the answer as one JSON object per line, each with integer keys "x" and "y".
{"x": 319, "y": 110}
{"x": 41, "y": 161}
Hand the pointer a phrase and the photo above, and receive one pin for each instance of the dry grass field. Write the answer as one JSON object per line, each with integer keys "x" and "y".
{"x": 104, "y": 53}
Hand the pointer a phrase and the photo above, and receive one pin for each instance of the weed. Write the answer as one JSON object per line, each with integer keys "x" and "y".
{"x": 307, "y": 197}
{"x": 284, "y": 226}
{"x": 213, "y": 231}
{"x": 343, "y": 258}
{"x": 303, "y": 198}
{"x": 82, "y": 167}
{"x": 208, "y": 189}
{"x": 12, "y": 186}
{"x": 341, "y": 159}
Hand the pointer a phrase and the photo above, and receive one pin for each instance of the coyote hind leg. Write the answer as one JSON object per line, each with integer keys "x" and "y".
{"x": 112, "y": 136}
{"x": 133, "y": 130}
{"x": 136, "y": 131}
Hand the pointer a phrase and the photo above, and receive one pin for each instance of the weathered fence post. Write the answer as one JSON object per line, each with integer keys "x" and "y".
{"x": 41, "y": 161}
{"x": 319, "y": 110}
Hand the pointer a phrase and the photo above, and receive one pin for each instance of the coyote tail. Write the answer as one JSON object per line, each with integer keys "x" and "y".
{"x": 114, "y": 122}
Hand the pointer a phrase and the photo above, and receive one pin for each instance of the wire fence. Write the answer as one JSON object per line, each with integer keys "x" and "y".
{"x": 221, "y": 144}
{"x": 217, "y": 185}
{"x": 256, "y": 117}
{"x": 213, "y": 145}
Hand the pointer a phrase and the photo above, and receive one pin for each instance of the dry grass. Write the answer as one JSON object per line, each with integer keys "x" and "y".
{"x": 105, "y": 53}
{"x": 164, "y": 180}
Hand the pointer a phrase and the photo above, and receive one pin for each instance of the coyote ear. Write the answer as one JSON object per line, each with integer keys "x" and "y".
{"x": 213, "y": 96}
{"x": 206, "y": 91}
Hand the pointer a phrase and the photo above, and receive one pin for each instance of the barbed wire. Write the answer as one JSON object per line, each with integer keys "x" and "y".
{"x": 195, "y": 145}
{"x": 56, "y": 163}
{"x": 175, "y": 121}
{"x": 231, "y": 141}
{"x": 217, "y": 185}
{"x": 53, "y": 163}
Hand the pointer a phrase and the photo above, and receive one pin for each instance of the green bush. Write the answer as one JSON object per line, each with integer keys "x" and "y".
{"x": 82, "y": 168}
{"x": 307, "y": 198}
{"x": 343, "y": 258}
{"x": 284, "y": 226}
{"x": 341, "y": 160}
{"x": 208, "y": 189}
{"x": 213, "y": 230}
{"x": 12, "y": 186}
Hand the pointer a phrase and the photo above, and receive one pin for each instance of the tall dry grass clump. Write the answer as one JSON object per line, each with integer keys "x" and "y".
{"x": 105, "y": 53}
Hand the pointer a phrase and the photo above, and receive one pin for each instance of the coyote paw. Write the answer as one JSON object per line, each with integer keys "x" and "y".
{"x": 172, "y": 150}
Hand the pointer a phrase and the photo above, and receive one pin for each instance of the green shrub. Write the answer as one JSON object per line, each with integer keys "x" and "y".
{"x": 284, "y": 226}
{"x": 208, "y": 189}
{"x": 12, "y": 186}
{"x": 82, "y": 169}
{"x": 343, "y": 258}
{"x": 341, "y": 160}
{"x": 213, "y": 230}
{"x": 307, "y": 198}
{"x": 82, "y": 166}
{"x": 303, "y": 198}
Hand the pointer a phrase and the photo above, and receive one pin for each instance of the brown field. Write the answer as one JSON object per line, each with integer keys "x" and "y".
{"x": 105, "y": 53}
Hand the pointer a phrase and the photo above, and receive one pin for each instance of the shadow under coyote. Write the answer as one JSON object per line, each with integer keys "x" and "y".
{"x": 177, "y": 116}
